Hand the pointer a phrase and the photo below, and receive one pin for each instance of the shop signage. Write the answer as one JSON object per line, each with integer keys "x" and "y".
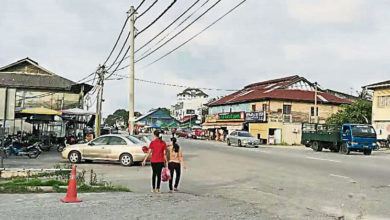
{"x": 211, "y": 118}
{"x": 256, "y": 117}
{"x": 231, "y": 116}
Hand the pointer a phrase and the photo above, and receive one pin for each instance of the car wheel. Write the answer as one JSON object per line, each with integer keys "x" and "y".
{"x": 239, "y": 143}
{"x": 316, "y": 146}
{"x": 126, "y": 160}
{"x": 74, "y": 157}
{"x": 228, "y": 142}
{"x": 344, "y": 149}
{"x": 367, "y": 152}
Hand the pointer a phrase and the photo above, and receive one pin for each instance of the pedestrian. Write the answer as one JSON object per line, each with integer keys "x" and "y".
{"x": 176, "y": 161}
{"x": 158, "y": 149}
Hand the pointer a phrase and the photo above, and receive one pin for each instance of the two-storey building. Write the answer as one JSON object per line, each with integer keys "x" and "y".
{"x": 25, "y": 84}
{"x": 381, "y": 108}
{"x": 189, "y": 105}
{"x": 281, "y": 106}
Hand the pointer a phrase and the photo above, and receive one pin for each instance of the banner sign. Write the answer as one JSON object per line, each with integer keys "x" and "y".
{"x": 231, "y": 116}
{"x": 255, "y": 117}
{"x": 211, "y": 118}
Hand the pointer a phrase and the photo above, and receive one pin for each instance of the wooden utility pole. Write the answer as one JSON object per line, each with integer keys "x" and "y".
{"x": 131, "y": 77}
{"x": 98, "y": 119}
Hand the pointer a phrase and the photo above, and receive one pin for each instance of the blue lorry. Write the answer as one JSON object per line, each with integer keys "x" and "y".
{"x": 343, "y": 139}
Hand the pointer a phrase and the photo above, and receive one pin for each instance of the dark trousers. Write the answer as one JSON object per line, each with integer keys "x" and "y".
{"x": 156, "y": 176}
{"x": 174, "y": 167}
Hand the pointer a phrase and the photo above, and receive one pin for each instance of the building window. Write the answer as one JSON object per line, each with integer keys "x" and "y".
{"x": 383, "y": 101}
{"x": 265, "y": 108}
{"x": 253, "y": 108}
{"x": 286, "y": 109}
{"x": 312, "y": 111}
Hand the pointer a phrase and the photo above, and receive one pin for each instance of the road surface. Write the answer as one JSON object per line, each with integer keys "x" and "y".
{"x": 268, "y": 182}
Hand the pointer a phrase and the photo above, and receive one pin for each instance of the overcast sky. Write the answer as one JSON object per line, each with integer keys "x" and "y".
{"x": 341, "y": 44}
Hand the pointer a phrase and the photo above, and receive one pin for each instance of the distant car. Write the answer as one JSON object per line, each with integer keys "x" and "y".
{"x": 147, "y": 138}
{"x": 125, "y": 149}
{"x": 242, "y": 139}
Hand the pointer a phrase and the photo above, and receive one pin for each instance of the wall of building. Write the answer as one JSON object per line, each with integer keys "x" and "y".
{"x": 227, "y": 108}
{"x": 292, "y": 133}
{"x": 381, "y": 114}
{"x": 56, "y": 101}
{"x": 11, "y": 94}
{"x": 300, "y": 111}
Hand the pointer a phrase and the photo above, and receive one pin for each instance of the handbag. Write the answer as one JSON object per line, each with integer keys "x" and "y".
{"x": 165, "y": 174}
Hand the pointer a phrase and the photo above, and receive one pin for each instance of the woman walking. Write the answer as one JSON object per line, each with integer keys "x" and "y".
{"x": 158, "y": 150}
{"x": 175, "y": 163}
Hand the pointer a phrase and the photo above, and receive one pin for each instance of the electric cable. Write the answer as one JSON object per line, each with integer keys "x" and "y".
{"x": 144, "y": 45}
{"x": 191, "y": 38}
{"x": 146, "y": 10}
{"x": 181, "y": 31}
{"x": 155, "y": 20}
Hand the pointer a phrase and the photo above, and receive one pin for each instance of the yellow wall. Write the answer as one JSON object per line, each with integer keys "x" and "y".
{"x": 291, "y": 130}
{"x": 381, "y": 115}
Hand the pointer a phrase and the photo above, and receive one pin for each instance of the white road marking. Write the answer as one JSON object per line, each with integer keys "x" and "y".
{"x": 315, "y": 158}
{"x": 335, "y": 175}
{"x": 344, "y": 177}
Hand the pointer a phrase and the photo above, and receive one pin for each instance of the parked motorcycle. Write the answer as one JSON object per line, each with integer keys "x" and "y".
{"x": 32, "y": 151}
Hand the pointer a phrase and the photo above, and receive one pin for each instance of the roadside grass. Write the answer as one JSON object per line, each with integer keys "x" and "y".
{"x": 56, "y": 182}
{"x": 33, "y": 186}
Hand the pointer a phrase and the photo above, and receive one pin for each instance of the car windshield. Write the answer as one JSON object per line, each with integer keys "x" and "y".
{"x": 134, "y": 140}
{"x": 149, "y": 137}
{"x": 363, "y": 131}
{"x": 244, "y": 134}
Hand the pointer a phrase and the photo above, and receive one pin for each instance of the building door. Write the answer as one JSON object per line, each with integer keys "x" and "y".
{"x": 274, "y": 136}
{"x": 278, "y": 136}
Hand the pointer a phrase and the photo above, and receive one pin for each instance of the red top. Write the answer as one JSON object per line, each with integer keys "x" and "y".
{"x": 157, "y": 148}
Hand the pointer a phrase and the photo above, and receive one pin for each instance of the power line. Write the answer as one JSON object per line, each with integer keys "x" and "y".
{"x": 144, "y": 45}
{"x": 120, "y": 52}
{"x": 146, "y": 9}
{"x": 173, "y": 85}
{"x": 117, "y": 40}
{"x": 203, "y": 30}
{"x": 120, "y": 34}
{"x": 140, "y": 4}
{"x": 177, "y": 26}
{"x": 120, "y": 62}
{"x": 155, "y": 20}
{"x": 181, "y": 31}
{"x": 171, "y": 31}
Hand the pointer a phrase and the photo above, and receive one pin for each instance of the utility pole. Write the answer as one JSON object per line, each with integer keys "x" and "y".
{"x": 101, "y": 71}
{"x": 315, "y": 102}
{"x": 131, "y": 78}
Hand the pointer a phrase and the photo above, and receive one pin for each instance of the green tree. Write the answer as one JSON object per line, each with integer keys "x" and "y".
{"x": 120, "y": 114}
{"x": 359, "y": 113}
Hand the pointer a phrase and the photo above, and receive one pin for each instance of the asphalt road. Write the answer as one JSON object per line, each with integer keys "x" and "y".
{"x": 277, "y": 182}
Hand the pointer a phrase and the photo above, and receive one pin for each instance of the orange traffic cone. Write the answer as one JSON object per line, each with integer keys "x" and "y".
{"x": 71, "y": 194}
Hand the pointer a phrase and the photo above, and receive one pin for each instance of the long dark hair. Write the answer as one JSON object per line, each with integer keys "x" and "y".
{"x": 157, "y": 133}
{"x": 176, "y": 147}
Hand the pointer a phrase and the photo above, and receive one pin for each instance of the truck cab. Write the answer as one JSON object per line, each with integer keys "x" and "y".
{"x": 358, "y": 137}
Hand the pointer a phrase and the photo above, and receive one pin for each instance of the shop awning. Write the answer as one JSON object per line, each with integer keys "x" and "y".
{"x": 77, "y": 111}
{"x": 39, "y": 111}
{"x": 228, "y": 125}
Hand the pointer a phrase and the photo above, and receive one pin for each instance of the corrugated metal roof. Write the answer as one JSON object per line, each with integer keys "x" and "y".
{"x": 277, "y": 89}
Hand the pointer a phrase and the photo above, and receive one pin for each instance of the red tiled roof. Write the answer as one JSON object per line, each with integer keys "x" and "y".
{"x": 277, "y": 89}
